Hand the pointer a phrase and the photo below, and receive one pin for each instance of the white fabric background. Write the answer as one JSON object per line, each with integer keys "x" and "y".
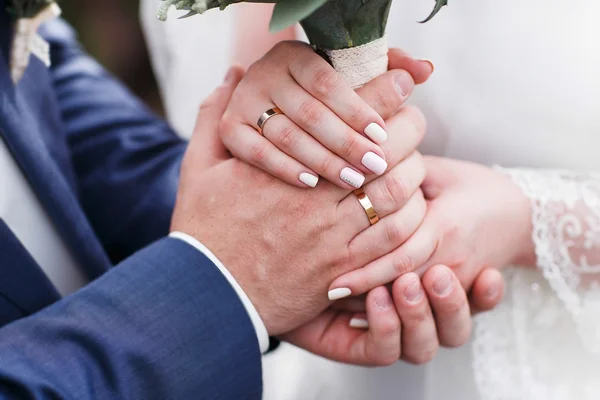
{"x": 516, "y": 84}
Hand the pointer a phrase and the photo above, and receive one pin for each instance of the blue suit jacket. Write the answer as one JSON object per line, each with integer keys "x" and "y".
{"x": 162, "y": 324}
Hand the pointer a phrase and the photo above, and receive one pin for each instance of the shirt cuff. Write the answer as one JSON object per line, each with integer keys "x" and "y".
{"x": 257, "y": 322}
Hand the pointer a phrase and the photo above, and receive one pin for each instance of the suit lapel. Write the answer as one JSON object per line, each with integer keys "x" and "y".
{"x": 23, "y": 139}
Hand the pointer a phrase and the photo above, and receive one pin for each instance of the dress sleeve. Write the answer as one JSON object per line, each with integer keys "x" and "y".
{"x": 543, "y": 341}
{"x": 566, "y": 235}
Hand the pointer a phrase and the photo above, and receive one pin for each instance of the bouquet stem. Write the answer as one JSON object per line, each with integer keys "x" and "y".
{"x": 361, "y": 64}
{"x": 352, "y": 34}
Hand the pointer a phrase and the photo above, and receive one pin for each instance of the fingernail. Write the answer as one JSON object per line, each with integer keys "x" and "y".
{"x": 383, "y": 300}
{"x": 339, "y": 293}
{"x": 413, "y": 292}
{"x": 352, "y": 178}
{"x": 229, "y": 76}
{"x": 376, "y": 133}
{"x": 404, "y": 84}
{"x": 359, "y": 323}
{"x": 309, "y": 179}
{"x": 375, "y": 163}
{"x": 430, "y": 64}
{"x": 442, "y": 284}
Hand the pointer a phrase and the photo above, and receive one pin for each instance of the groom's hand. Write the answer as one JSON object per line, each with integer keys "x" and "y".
{"x": 284, "y": 245}
{"x": 410, "y": 325}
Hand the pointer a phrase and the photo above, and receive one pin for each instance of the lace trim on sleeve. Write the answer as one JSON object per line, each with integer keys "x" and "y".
{"x": 566, "y": 234}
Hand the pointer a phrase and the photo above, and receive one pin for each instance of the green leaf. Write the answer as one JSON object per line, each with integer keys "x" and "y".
{"x": 288, "y": 12}
{"x": 438, "y": 6}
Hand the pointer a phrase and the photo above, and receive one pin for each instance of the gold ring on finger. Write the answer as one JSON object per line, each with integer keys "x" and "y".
{"x": 266, "y": 116}
{"x": 365, "y": 202}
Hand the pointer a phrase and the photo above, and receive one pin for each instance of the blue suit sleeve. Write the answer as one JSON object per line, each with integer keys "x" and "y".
{"x": 126, "y": 160}
{"x": 165, "y": 324}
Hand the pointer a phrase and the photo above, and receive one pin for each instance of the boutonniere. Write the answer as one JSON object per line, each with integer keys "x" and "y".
{"x": 29, "y": 15}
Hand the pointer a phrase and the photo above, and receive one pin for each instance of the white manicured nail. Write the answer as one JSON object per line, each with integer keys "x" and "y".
{"x": 352, "y": 178}
{"x": 376, "y": 133}
{"x": 309, "y": 179}
{"x": 359, "y": 323}
{"x": 339, "y": 293}
{"x": 374, "y": 163}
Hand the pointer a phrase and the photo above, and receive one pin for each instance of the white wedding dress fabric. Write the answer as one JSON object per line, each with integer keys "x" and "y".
{"x": 516, "y": 85}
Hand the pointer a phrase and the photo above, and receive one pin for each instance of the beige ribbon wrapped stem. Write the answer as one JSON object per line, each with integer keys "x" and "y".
{"x": 359, "y": 65}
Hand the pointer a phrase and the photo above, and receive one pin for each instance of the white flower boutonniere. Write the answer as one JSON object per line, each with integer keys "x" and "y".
{"x": 29, "y": 15}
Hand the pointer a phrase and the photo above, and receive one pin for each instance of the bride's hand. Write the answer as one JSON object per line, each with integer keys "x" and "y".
{"x": 476, "y": 218}
{"x": 327, "y": 129}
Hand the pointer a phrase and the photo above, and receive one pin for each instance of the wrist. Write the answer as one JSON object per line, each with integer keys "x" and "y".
{"x": 520, "y": 208}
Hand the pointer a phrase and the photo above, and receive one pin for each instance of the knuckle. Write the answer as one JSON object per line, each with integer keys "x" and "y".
{"x": 388, "y": 358}
{"x": 394, "y": 189}
{"x": 342, "y": 260}
{"x": 453, "y": 306}
{"x": 283, "y": 48}
{"x": 460, "y": 338}
{"x": 394, "y": 232}
{"x": 255, "y": 70}
{"x": 448, "y": 229}
{"x": 288, "y": 46}
{"x": 383, "y": 356}
{"x": 226, "y": 127}
{"x": 350, "y": 142}
{"x": 280, "y": 169}
{"x": 325, "y": 82}
{"x": 418, "y": 316}
{"x": 326, "y": 163}
{"x": 389, "y": 327}
{"x": 417, "y": 119}
{"x": 288, "y": 138}
{"x": 388, "y": 100}
{"x": 357, "y": 116}
{"x": 340, "y": 263}
{"x": 419, "y": 162}
{"x": 311, "y": 113}
{"x": 207, "y": 105}
{"x": 302, "y": 207}
{"x": 421, "y": 357}
{"x": 415, "y": 169}
{"x": 420, "y": 206}
{"x": 402, "y": 263}
{"x": 259, "y": 152}
{"x": 280, "y": 46}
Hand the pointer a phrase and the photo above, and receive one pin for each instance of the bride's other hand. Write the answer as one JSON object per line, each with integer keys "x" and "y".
{"x": 327, "y": 129}
{"x": 476, "y": 218}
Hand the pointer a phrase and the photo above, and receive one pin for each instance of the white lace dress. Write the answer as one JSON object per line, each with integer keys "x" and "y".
{"x": 517, "y": 84}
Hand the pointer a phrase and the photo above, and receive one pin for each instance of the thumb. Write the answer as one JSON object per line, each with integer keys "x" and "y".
{"x": 205, "y": 145}
{"x": 487, "y": 290}
{"x": 420, "y": 70}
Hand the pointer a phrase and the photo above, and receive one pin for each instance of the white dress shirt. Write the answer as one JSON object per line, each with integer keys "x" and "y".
{"x": 22, "y": 211}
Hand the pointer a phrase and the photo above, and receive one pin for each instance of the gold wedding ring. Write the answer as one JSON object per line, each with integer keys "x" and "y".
{"x": 266, "y": 116}
{"x": 364, "y": 201}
